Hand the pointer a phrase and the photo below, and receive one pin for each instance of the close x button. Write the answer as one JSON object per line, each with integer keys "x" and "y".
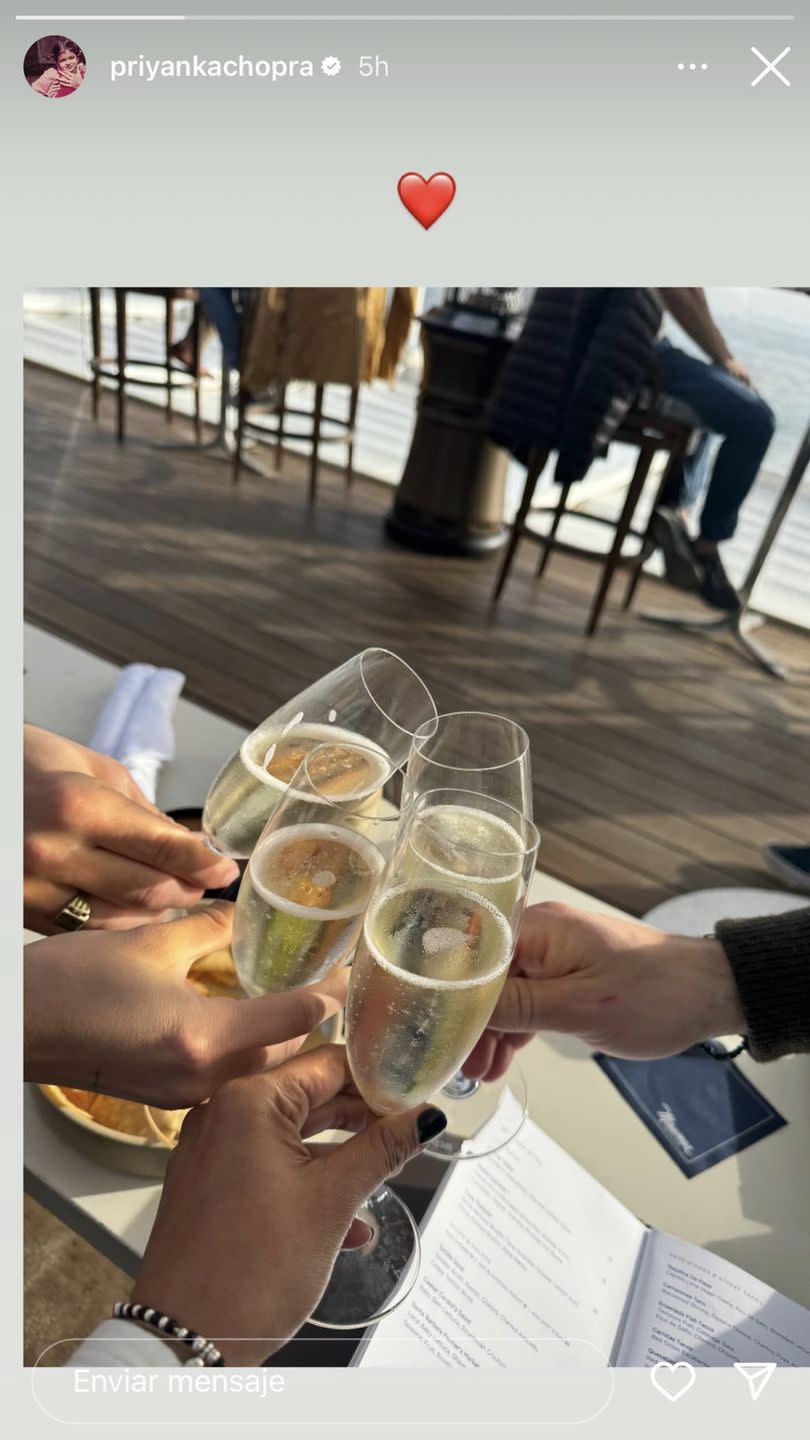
{"x": 770, "y": 66}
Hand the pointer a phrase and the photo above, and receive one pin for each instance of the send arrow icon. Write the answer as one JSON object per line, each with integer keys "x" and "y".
{"x": 757, "y": 1374}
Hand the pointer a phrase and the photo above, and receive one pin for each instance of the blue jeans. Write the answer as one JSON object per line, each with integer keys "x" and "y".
{"x": 727, "y": 408}
{"x": 223, "y": 309}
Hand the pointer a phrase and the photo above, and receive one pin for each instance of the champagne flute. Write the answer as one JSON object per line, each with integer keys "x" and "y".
{"x": 473, "y": 750}
{"x": 307, "y": 885}
{"x": 374, "y": 699}
{"x": 432, "y": 965}
{"x": 438, "y": 939}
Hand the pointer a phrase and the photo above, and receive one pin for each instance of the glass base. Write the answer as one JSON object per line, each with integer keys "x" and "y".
{"x": 481, "y": 1117}
{"x": 372, "y": 1279}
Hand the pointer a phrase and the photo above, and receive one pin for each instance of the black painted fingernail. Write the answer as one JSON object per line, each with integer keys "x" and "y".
{"x": 430, "y": 1124}
{"x": 224, "y": 892}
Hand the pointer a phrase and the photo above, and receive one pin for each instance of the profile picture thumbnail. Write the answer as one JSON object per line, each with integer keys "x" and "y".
{"x": 54, "y": 66}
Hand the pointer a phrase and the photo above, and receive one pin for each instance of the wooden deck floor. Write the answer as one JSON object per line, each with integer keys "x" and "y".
{"x": 662, "y": 762}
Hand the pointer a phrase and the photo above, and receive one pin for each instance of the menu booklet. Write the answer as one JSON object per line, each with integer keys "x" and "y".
{"x": 524, "y": 1246}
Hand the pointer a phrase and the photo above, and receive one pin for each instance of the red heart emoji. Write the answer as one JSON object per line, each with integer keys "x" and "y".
{"x": 425, "y": 199}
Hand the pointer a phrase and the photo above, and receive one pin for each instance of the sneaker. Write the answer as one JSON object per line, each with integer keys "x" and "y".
{"x": 791, "y": 863}
{"x": 714, "y": 585}
{"x": 680, "y": 566}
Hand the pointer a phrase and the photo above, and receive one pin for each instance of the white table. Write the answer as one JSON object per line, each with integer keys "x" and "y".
{"x": 752, "y": 1208}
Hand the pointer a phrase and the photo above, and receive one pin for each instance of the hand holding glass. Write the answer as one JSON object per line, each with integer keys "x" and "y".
{"x": 437, "y": 941}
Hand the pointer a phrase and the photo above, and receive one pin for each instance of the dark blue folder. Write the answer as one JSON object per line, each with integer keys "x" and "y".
{"x": 700, "y": 1109}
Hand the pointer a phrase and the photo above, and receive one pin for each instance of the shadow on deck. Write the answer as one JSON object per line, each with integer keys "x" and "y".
{"x": 662, "y": 762}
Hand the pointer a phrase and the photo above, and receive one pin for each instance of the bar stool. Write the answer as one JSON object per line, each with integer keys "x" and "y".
{"x": 115, "y": 367}
{"x": 653, "y": 424}
{"x": 278, "y": 410}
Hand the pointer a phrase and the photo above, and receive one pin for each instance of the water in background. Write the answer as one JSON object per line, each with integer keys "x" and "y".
{"x": 769, "y": 330}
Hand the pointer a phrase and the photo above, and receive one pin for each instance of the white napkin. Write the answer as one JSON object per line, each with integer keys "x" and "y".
{"x": 135, "y": 725}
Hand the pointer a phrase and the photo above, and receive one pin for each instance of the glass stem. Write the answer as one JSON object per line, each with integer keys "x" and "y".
{"x": 460, "y": 1086}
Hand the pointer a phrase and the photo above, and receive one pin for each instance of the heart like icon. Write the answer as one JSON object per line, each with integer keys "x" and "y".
{"x": 673, "y": 1380}
{"x": 425, "y": 199}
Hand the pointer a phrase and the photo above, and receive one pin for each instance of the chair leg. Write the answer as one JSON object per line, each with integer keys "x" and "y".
{"x": 635, "y": 576}
{"x": 675, "y": 458}
{"x": 648, "y": 545}
{"x": 95, "y": 329}
{"x": 121, "y": 340}
{"x": 282, "y": 410}
{"x": 647, "y": 549}
{"x": 534, "y": 469}
{"x": 613, "y": 561}
{"x": 355, "y": 394}
{"x": 545, "y": 554}
{"x": 169, "y": 330}
{"x": 196, "y": 363}
{"x": 316, "y": 440}
{"x": 240, "y": 420}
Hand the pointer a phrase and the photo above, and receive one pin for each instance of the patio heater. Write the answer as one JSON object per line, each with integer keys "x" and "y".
{"x": 450, "y": 500}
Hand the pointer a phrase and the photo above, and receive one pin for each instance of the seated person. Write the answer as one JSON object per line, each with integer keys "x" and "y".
{"x": 223, "y": 310}
{"x": 722, "y": 394}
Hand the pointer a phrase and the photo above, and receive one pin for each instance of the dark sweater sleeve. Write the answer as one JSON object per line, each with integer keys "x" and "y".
{"x": 770, "y": 958}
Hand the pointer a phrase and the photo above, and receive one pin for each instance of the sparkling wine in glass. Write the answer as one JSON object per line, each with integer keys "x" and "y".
{"x": 461, "y": 834}
{"x": 489, "y": 754}
{"x": 374, "y": 699}
{"x": 424, "y": 983}
{"x": 427, "y": 974}
{"x": 437, "y": 943}
{"x": 309, "y": 880}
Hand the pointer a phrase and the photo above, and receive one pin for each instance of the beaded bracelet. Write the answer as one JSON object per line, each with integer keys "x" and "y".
{"x": 204, "y": 1352}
